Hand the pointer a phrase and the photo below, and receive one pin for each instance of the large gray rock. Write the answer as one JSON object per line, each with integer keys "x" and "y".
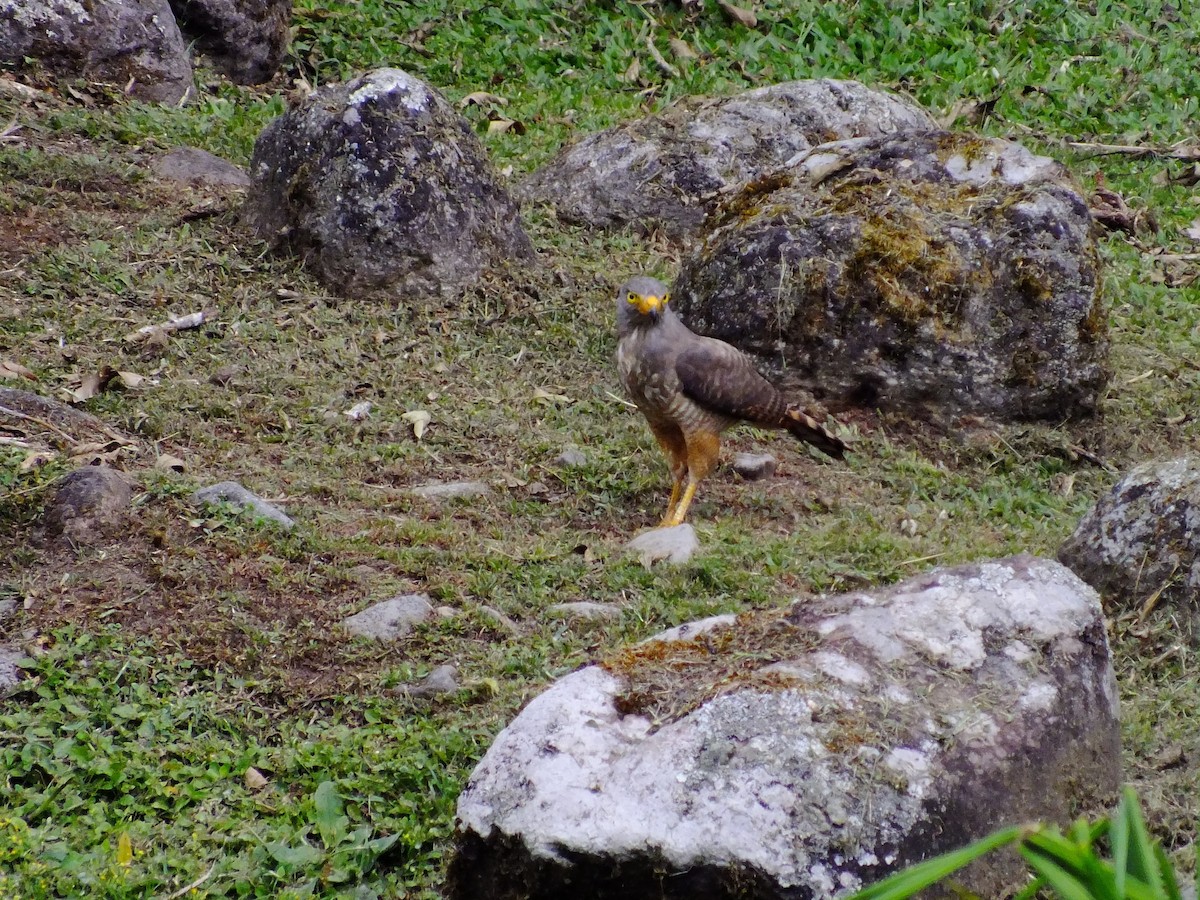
{"x": 133, "y": 43}
{"x": 378, "y": 183}
{"x": 1140, "y": 544}
{"x": 245, "y": 39}
{"x": 928, "y": 272}
{"x": 662, "y": 170}
{"x": 803, "y": 753}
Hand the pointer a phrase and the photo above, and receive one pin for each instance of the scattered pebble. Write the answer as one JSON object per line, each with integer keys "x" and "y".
{"x": 442, "y": 680}
{"x": 10, "y": 668}
{"x": 234, "y": 493}
{"x": 584, "y": 609}
{"x": 754, "y": 466}
{"x": 390, "y": 619}
{"x": 675, "y": 545}
{"x": 571, "y": 458}
{"x": 499, "y": 619}
{"x": 439, "y": 491}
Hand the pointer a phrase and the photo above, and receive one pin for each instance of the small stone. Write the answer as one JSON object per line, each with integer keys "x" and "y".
{"x": 446, "y": 612}
{"x": 754, "y": 466}
{"x": 440, "y": 491}
{"x": 222, "y": 376}
{"x": 571, "y": 458}
{"x": 11, "y": 659}
{"x": 442, "y": 680}
{"x": 193, "y": 166}
{"x": 390, "y": 619}
{"x": 675, "y": 545}
{"x": 89, "y": 504}
{"x": 233, "y": 493}
{"x": 499, "y": 619}
{"x": 583, "y": 609}
{"x": 8, "y": 608}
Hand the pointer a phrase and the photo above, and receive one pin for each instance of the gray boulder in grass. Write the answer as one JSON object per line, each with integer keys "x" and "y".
{"x": 663, "y": 171}
{"x": 378, "y": 184}
{"x": 929, "y": 272}
{"x": 133, "y": 45}
{"x": 805, "y": 752}
{"x": 245, "y": 39}
{"x": 1139, "y": 546}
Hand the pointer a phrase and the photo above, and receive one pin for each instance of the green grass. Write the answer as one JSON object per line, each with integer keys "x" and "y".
{"x": 200, "y": 644}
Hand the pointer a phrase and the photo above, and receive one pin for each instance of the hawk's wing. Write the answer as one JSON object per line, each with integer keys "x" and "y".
{"x": 721, "y": 378}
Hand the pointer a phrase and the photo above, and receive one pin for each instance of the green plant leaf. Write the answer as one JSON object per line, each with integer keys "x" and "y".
{"x": 1142, "y": 862}
{"x": 299, "y": 856}
{"x": 906, "y": 883}
{"x": 327, "y": 814}
{"x": 1066, "y": 884}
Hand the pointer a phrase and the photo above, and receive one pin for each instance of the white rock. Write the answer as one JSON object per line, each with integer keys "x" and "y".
{"x": 675, "y": 545}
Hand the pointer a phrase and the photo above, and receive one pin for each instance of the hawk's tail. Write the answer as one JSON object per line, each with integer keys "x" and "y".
{"x": 809, "y": 430}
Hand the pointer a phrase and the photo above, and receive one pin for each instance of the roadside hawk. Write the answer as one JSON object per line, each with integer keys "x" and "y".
{"x": 691, "y": 388}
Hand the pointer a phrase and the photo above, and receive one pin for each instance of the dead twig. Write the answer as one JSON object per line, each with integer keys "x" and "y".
{"x": 1091, "y": 457}
{"x": 195, "y": 884}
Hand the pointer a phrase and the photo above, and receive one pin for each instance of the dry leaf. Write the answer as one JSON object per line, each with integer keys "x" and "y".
{"x": 10, "y": 369}
{"x": 168, "y": 463}
{"x": 482, "y": 98}
{"x": 1193, "y": 230}
{"x": 631, "y": 74}
{"x": 419, "y": 419}
{"x": 737, "y": 14}
{"x": 502, "y": 125}
{"x": 681, "y": 49}
{"x": 35, "y": 458}
{"x": 358, "y": 411}
{"x": 130, "y": 380}
{"x": 254, "y": 779}
{"x": 544, "y": 396}
{"x": 88, "y": 387}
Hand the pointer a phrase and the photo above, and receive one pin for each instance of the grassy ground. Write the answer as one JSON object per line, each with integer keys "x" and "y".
{"x": 199, "y": 646}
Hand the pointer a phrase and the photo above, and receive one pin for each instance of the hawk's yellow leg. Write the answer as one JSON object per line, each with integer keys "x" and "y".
{"x": 703, "y": 448}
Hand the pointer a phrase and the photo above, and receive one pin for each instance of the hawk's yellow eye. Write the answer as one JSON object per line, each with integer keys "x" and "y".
{"x": 666, "y": 299}
{"x": 631, "y": 297}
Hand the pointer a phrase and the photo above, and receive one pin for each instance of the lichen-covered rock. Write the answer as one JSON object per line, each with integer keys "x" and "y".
{"x": 662, "y": 170}
{"x": 127, "y": 43}
{"x": 379, "y": 184}
{"x": 1141, "y": 543}
{"x": 929, "y": 272}
{"x": 245, "y": 39}
{"x": 801, "y": 753}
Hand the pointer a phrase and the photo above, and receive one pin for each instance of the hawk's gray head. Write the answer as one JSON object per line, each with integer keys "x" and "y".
{"x": 641, "y": 300}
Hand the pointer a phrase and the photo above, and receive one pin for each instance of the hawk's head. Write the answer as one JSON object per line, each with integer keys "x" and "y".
{"x": 640, "y": 300}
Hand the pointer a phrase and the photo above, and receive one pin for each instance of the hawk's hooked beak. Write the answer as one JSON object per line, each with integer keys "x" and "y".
{"x": 650, "y": 305}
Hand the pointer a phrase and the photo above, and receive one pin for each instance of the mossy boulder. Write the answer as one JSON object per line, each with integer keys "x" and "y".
{"x": 1139, "y": 546}
{"x": 926, "y": 272}
{"x": 380, "y": 186}
{"x": 664, "y": 171}
{"x": 803, "y": 752}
